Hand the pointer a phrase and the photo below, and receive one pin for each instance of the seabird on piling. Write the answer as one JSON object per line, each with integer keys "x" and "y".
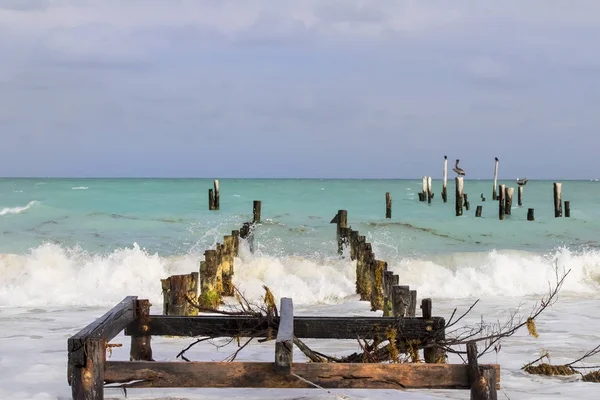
{"x": 522, "y": 182}
{"x": 457, "y": 169}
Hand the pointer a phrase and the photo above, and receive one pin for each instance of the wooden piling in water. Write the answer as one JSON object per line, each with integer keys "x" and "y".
{"x": 520, "y": 196}
{"x": 388, "y": 205}
{"x": 247, "y": 234}
{"x": 478, "y": 211}
{"x": 377, "y": 272}
{"x": 494, "y": 193}
{"x": 459, "y": 195}
{"x": 501, "y": 192}
{"x": 444, "y": 189}
{"x": 482, "y": 378}
{"x": 341, "y": 219}
{"x": 466, "y": 201}
{"x": 256, "y": 210}
{"x": 508, "y": 200}
{"x": 412, "y": 307}
{"x": 141, "y": 348}
{"x": 217, "y": 204}
{"x": 211, "y": 199}
{"x": 178, "y": 291}
{"x": 557, "y": 199}
{"x": 225, "y": 257}
{"x": 530, "y": 216}
{"x": 400, "y": 300}
{"x": 429, "y": 190}
{"x": 423, "y": 197}
{"x": 211, "y": 282}
{"x": 431, "y": 354}
{"x": 567, "y": 209}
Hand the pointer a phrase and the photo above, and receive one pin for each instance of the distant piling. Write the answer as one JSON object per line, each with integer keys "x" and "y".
{"x": 494, "y": 193}
{"x": 520, "y": 196}
{"x": 429, "y": 190}
{"x": 341, "y": 219}
{"x": 256, "y": 210}
{"x": 211, "y": 199}
{"x": 217, "y": 195}
{"x": 478, "y": 211}
{"x": 459, "y": 195}
{"x": 444, "y": 187}
{"x": 557, "y": 199}
{"x": 466, "y": 202}
{"x": 214, "y": 197}
{"x": 530, "y": 216}
{"x": 423, "y": 196}
{"x": 508, "y": 200}
{"x": 388, "y": 205}
{"x": 567, "y": 209}
{"x": 501, "y": 192}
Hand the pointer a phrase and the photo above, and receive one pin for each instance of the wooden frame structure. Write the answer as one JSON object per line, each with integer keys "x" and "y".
{"x": 89, "y": 371}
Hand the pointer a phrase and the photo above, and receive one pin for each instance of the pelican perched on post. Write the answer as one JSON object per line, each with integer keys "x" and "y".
{"x": 522, "y": 182}
{"x": 457, "y": 169}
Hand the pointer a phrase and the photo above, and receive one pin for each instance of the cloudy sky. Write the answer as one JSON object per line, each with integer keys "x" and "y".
{"x": 302, "y": 88}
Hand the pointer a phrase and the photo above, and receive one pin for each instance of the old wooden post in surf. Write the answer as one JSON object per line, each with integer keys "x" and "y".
{"x": 211, "y": 281}
{"x": 520, "y": 195}
{"x": 478, "y": 211}
{"x": 466, "y": 202}
{"x": 284, "y": 344}
{"x": 508, "y": 200}
{"x": 211, "y": 199}
{"x": 256, "y": 210}
{"x": 429, "y": 190}
{"x": 557, "y": 199}
{"x": 530, "y": 216}
{"x": 482, "y": 378}
{"x": 501, "y": 192}
{"x": 494, "y": 194}
{"x": 444, "y": 188}
{"x": 214, "y": 197}
{"x": 388, "y": 205}
{"x": 178, "y": 291}
{"x": 423, "y": 196}
{"x": 400, "y": 300}
{"x": 567, "y": 209}
{"x": 141, "y": 347}
{"x": 217, "y": 195}
{"x": 459, "y": 195}
{"x": 341, "y": 220}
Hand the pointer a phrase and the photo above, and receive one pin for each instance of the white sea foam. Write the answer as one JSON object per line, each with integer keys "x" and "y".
{"x": 17, "y": 210}
{"x": 53, "y": 275}
{"x": 80, "y": 188}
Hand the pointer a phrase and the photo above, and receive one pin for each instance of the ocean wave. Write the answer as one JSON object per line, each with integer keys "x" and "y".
{"x": 51, "y": 275}
{"x": 17, "y": 210}
{"x": 80, "y": 188}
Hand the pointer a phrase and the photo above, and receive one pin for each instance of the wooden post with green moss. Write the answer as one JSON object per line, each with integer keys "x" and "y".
{"x": 210, "y": 284}
{"x": 378, "y": 269}
{"x": 178, "y": 291}
{"x": 226, "y": 265}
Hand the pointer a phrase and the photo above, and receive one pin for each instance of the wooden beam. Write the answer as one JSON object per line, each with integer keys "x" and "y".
{"x": 142, "y": 374}
{"x": 304, "y": 327}
{"x": 106, "y": 327}
{"x": 87, "y": 381}
{"x": 284, "y": 344}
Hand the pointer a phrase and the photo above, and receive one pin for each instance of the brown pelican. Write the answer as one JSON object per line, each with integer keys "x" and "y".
{"x": 458, "y": 170}
{"x": 522, "y": 182}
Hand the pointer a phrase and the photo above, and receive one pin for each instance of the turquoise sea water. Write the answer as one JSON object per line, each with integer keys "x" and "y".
{"x": 171, "y": 216}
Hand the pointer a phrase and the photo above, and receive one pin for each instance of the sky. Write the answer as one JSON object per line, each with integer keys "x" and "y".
{"x": 299, "y": 88}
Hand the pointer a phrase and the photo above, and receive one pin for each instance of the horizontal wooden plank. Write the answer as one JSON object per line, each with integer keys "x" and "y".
{"x": 106, "y": 327}
{"x": 304, "y": 327}
{"x": 146, "y": 374}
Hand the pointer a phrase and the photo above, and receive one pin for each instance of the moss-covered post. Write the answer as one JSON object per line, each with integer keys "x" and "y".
{"x": 210, "y": 295}
{"x": 178, "y": 291}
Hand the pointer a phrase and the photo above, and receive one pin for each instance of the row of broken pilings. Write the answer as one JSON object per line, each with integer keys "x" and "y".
{"x": 374, "y": 283}
{"x": 215, "y": 277}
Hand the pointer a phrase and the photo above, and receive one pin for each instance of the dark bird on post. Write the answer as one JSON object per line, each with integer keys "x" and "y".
{"x": 458, "y": 170}
{"x": 522, "y": 182}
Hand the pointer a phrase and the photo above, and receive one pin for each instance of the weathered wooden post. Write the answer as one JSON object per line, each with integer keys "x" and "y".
{"x": 567, "y": 209}
{"x": 378, "y": 269}
{"x": 429, "y": 190}
{"x": 256, "y": 209}
{"x": 341, "y": 219}
{"x": 284, "y": 344}
{"x": 391, "y": 281}
{"x": 501, "y": 202}
{"x": 226, "y": 257}
{"x": 235, "y": 242}
{"x": 530, "y": 216}
{"x": 178, "y": 291}
{"x": 141, "y": 348}
{"x": 444, "y": 189}
{"x": 466, "y": 201}
{"x": 494, "y": 194}
{"x": 217, "y": 204}
{"x": 400, "y": 300}
{"x": 478, "y": 211}
{"x": 412, "y": 307}
{"x": 508, "y": 200}
{"x": 520, "y": 196}
{"x": 210, "y": 281}
{"x": 557, "y": 199}
{"x": 459, "y": 195}
{"x": 211, "y": 199}
{"x": 424, "y": 189}
{"x": 388, "y": 205}
{"x": 431, "y": 354}
{"x": 87, "y": 381}
{"x": 482, "y": 378}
